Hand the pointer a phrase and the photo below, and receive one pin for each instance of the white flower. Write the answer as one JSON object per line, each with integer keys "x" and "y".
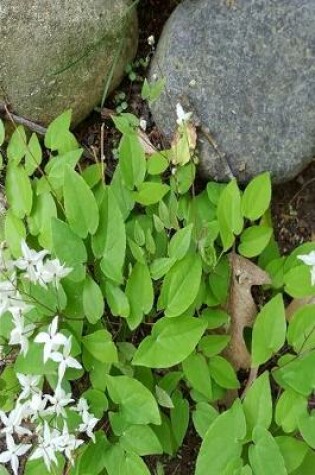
{"x": 143, "y": 124}
{"x": 30, "y": 261}
{"x": 12, "y": 421}
{"x": 51, "y": 271}
{"x": 58, "y": 402}
{"x": 47, "y": 447}
{"x": 182, "y": 116}
{"x": 151, "y": 40}
{"x": 51, "y": 339}
{"x": 10, "y": 298}
{"x": 21, "y": 332}
{"x": 13, "y": 452}
{"x": 69, "y": 443}
{"x": 88, "y": 424}
{"x": 309, "y": 260}
{"x": 29, "y": 385}
{"x": 81, "y": 407}
{"x": 65, "y": 360}
{"x": 36, "y": 406}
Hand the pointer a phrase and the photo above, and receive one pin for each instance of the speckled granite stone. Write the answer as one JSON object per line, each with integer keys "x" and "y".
{"x": 56, "y": 54}
{"x": 253, "y": 65}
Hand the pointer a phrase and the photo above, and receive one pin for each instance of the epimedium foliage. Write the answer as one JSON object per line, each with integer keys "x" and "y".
{"x": 113, "y": 315}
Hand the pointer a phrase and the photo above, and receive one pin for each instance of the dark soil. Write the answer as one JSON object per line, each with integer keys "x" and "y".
{"x": 293, "y": 209}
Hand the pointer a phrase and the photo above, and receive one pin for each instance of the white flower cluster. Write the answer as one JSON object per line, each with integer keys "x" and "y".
{"x": 35, "y": 417}
{"x": 38, "y": 422}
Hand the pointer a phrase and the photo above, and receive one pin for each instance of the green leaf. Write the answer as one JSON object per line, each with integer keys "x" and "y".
{"x": 163, "y": 398}
{"x": 122, "y": 194}
{"x": 44, "y": 208}
{"x": 109, "y": 242}
{"x": 3, "y": 470}
{"x": 203, "y": 416}
{"x": 137, "y": 404}
{"x": 141, "y": 439}
{"x": 17, "y": 146}
{"x": 151, "y": 91}
{"x": 93, "y": 302}
{"x": 97, "y": 401}
{"x": 254, "y": 240}
{"x": 101, "y": 346}
{"x": 307, "y": 466}
{"x": 265, "y": 456}
{"x": 80, "y": 204}
{"x": 222, "y": 442}
{"x": 2, "y": 132}
{"x": 257, "y": 404}
{"x": 160, "y": 267}
{"x": 269, "y": 331}
{"x": 306, "y": 425}
{"x": 212, "y": 345}
{"x": 215, "y": 318}
{"x": 14, "y": 233}
{"x": 256, "y": 197}
{"x": 33, "y": 362}
{"x": 197, "y": 373}
{"x": 292, "y": 450}
{"x": 135, "y": 465}
{"x": 117, "y": 300}
{"x": 92, "y": 174}
{"x": 289, "y": 407}
{"x": 33, "y": 156}
{"x": 299, "y": 374}
{"x": 185, "y": 177}
{"x": 181, "y": 285}
{"x": 18, "y": 190}
{"x": 229, "y": 214}
{"x": 179, "y": 418}
{"x": 150, "y": 193}
{"x": 58, "y": 137}
{"x": 219, "y": 280}
{"x": 93, "y": 456}
{"x": 223, "y": 373}
{"x": 69, "y": 248}
{"x": 180, "y": 243}
{"x": 132, "y": 161}
{"x": 301, "y": 332}
{"x": 157, "y": 164}
{"x": 298, "y": 283}
{"x": 139, "y": 291}
{"x": 170, "y": 342}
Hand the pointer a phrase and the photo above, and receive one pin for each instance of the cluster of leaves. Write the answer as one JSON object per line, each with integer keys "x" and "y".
{"x": 148, "y": 307}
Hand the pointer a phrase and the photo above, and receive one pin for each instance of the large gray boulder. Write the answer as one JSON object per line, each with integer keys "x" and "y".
{"x": 248, "y": 73}
{"x": 57, "y": 54}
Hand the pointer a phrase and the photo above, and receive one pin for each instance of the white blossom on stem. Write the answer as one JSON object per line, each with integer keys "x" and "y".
{"x": 29, "y": 261}
{"x": 12, "y": 421}
{"x": 47, "y": 446}
{"x": 65, "y": 360}
{"x": 182, "y": 116}
{"x": 13, "y": 452}
{"x": 52, "y": 271}
{"x": 29, "y": 384}
{"x": 88, "y": 424}
{"x": 59, "y": 400}
{"x": 52, "y": 339}
{"x": 21, "y": 332}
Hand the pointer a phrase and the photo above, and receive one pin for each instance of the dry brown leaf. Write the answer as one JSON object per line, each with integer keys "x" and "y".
{"x": 296, "y": 304}
{"x": 241, "y": 307}
{"x": 146, "y": 144}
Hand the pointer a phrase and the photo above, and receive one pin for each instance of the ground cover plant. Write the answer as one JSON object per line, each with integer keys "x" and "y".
{"x": 126, "y": 313}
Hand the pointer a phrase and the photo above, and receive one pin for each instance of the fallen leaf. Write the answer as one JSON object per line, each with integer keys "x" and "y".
{"x": 145, "y": 142}
{"x": 241, "y": 307}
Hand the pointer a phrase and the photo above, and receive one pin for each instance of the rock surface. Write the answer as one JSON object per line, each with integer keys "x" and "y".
{"x": 247, "y": 70}
{"x": 57, "y": 54}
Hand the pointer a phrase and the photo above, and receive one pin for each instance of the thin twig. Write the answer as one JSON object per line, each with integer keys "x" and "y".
{"x": 309, "y": 182}
{"x": 21, "y": 120}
